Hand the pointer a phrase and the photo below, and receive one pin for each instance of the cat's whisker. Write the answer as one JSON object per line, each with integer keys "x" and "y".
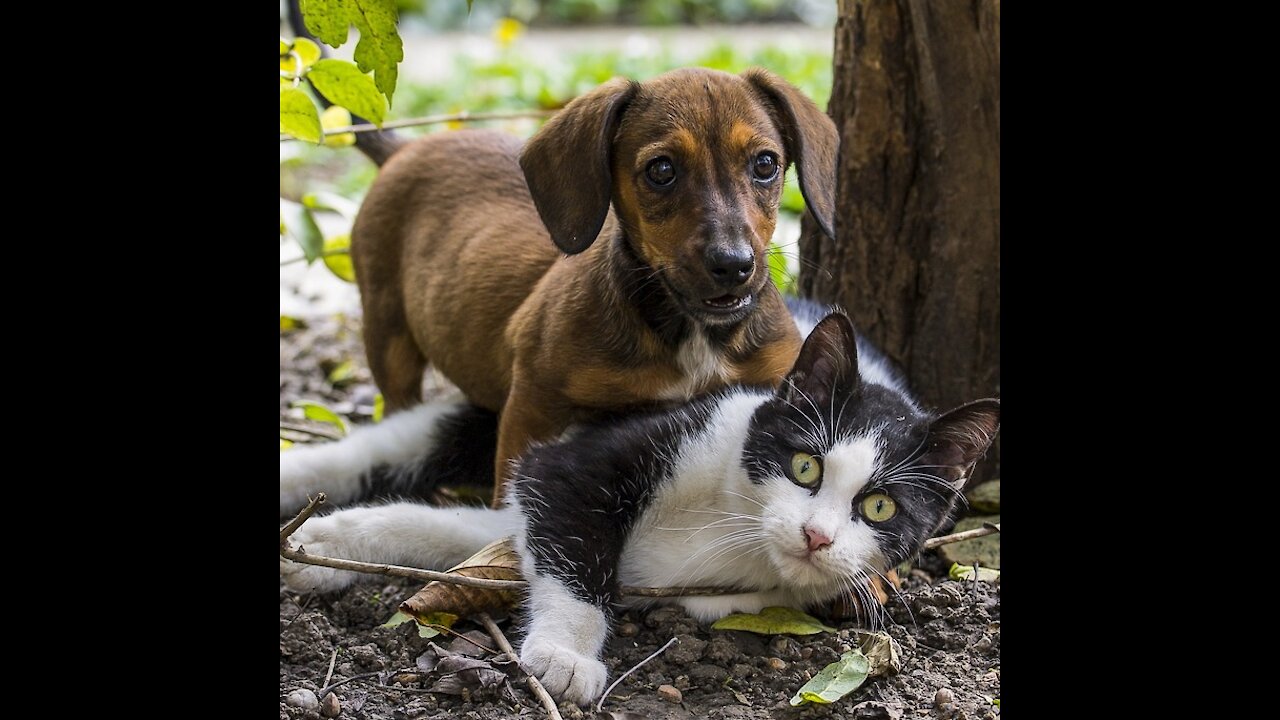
{"x": 728, "y": 538}
{"x": 744, "y": 497}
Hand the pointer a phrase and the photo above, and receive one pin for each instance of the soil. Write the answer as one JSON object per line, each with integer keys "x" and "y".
{"x": 948, "y": 632}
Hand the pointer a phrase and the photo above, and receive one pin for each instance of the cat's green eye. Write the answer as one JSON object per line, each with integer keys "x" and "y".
{"x": 879, "y": 507}
{"x": 806, "y": 469}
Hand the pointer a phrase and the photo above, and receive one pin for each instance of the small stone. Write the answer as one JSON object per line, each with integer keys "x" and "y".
{"x": 682, "y": 682}
{"x": 944, "y": 695}
{"x": 670, "y": 694}
{"x": 776, "y": 664}
{"x": 628, "y": 630}
{"x": 983, "y": 645}
{"x": 303, "y": 698}
{"x": 330, "y": 707}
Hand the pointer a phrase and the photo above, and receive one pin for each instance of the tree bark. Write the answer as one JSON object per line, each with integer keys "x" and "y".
{"x": 916, "y": 258}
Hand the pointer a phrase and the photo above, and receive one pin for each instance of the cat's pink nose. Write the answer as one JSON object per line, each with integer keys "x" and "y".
{"x": 817, "y": 540}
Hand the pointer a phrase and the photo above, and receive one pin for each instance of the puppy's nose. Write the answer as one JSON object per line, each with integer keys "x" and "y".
{"x": 729, "y": 265}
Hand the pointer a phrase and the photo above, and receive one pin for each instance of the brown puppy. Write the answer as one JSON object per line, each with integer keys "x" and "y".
{"x": 617, "y": 261}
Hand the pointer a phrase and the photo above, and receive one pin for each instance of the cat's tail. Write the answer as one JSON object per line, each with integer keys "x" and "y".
{"x": 377, "y": 145}
{"x": 405, "y": 456}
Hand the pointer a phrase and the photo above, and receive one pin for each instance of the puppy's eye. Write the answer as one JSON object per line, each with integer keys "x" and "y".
{"x": 878, "y": 507}
{"x": 806, "y": 469}
{"x": 661, "y": 172}
{"x": 765, "y": 167}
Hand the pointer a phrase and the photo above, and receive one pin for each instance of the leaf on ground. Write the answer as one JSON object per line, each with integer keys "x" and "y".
{"x": 965, "y": 572}
{"x": 773, "y": 621}
{"x": 883, "y": 655}
{"x": 497, "y": 561}
{"x": 337, "y": 257}
{"x": 834, "y": 681}
{"x": 344, "y": 84}
{"x": 298, "y": 115}
{"x": 459, "y": 673}
{"x": 320, "y": 413}
{"x": 289, "y": 323}
{"x": 342, "y": 374}
{"x": 285, "y": 444}
{"x": 301, "y": 226}
{"x": 424, "y": 630}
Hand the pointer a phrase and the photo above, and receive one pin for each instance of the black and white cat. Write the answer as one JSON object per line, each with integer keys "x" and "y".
{"x": 795, "y": 496}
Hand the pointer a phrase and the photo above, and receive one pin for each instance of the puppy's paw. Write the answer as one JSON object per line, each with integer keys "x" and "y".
{"x": 317, "y": 538}
{"x": 566, "y": 673}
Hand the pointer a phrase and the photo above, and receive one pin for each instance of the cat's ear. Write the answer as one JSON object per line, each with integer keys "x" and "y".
{"x": 959, "y": 439}
{"x": 827, "y": 365}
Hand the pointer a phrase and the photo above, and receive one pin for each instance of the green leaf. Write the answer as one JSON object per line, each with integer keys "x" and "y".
{"x": 345, "y": 85}
{"x": 285, "y": 444}
{"x": 442, "y": 619}
{"x": 337, "y": 257}
{"x": 325, "y": 200}
{"x": 307, "y": 50}
{"x": 778, "y": 271}
{"x": 343, "y": 373}
{"x": 773, "y": 621}
{"x": 289, "y": 323}
{"x": 379, "y": 49}
{"x": 320, "y": 413}
{"x": 284, "y": 49}
{"x": 379, "y": 407}
{"x": 835, "y": 681}
{"x": 328, "y": 20}
{"x": 333, "y": 117}
{"x": 965, "y": 572}
{"x": 298, "y": 115}
{"x": 301, "y": 225}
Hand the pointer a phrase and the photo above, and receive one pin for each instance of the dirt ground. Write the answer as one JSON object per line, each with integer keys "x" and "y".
{"x": 948, "y": 632}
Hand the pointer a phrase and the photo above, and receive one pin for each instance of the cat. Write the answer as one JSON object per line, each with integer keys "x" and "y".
{"x": 794, "y": 496}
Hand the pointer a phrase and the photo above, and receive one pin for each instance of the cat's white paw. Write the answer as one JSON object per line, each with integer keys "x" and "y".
{"x": 564, "y": 672}
{"x": 318, "y": 538}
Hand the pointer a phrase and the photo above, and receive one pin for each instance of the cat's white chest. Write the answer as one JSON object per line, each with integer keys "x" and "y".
{"x": 701, "y": 366}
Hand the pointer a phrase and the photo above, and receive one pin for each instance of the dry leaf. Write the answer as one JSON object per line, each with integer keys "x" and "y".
{"x": 496, "y": 561}
{"x": 881, "y": 650}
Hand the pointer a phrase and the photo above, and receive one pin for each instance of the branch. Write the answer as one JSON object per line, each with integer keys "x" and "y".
{"x": 327, "y": 434}
{"x": 536, "y": 687}
{"x": 987, "y": 529}
{"x": 434, "y": 120}
{"x": 292, "y": 526}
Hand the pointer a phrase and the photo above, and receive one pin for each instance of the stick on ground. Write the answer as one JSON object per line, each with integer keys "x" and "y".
{"x": 536, "y": 687}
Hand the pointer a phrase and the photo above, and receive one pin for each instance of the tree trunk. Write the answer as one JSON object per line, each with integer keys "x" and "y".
{"x": 916, "y": 258}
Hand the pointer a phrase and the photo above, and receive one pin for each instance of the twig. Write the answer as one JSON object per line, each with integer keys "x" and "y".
{"x": 536, "y": 687}
{"x": 679, "y": 591}
{"x": 332, "y": 659}
{"x": 365, "y": 676}
{"x": 399, "y": 571}
{"x": 637, "y": 666}
{"x": 328, "y": 434}
{"x": 434, "y": 120}
{"x": 329, "y": 253}
{"x": 300, "y": 518}
{"x": 987, "y": 529}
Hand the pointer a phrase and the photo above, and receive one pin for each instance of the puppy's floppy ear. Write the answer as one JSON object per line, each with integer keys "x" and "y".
{"x": 566, "y": 164}
{"x": 811, "y": 141}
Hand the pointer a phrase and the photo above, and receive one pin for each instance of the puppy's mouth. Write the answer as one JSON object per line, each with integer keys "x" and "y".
{"x": 726, "y": 303}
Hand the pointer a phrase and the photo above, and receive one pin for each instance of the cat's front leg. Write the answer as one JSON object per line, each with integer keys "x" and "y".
{"x": 565, "y": 637}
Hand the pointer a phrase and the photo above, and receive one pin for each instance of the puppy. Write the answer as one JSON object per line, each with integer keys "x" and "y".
{"x": 616, "y": 260}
